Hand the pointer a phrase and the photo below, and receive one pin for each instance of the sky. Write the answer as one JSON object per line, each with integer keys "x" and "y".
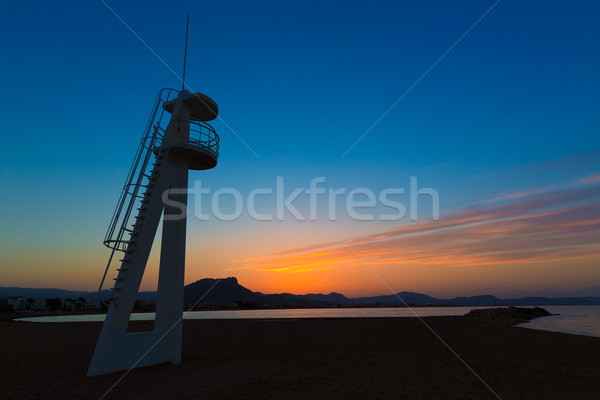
{"x": 492, "y": 106}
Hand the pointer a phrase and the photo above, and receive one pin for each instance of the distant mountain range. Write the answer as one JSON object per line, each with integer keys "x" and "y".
{"x": 228, "y": 290}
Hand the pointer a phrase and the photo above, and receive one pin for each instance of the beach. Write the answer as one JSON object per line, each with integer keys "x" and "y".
{"x": 349, "y": 358}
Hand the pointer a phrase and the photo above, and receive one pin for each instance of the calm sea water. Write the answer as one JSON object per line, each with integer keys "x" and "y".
{"x": 579, "y": 320}
{"x": 266, "y": 314}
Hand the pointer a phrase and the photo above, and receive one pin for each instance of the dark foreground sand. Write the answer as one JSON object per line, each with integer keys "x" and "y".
{"x": 311, "y": 359}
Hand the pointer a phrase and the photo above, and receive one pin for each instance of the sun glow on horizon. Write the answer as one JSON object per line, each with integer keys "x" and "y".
{"x": 537, "y": 227}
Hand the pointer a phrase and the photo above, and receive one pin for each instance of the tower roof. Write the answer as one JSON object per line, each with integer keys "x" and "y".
{"x": 202, "y": 107}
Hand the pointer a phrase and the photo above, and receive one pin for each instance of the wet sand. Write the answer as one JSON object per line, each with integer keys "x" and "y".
{"x": 353, "y": 358}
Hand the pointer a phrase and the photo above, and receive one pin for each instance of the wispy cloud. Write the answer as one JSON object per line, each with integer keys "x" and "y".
{"x": 589, "y": 180}
{"x": 532, "y": 226}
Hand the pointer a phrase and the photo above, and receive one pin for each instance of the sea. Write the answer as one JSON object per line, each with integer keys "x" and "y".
{"x": 577, "y": 320}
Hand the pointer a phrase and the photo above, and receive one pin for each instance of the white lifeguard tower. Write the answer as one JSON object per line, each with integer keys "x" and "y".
{"x": 157, "y": 180}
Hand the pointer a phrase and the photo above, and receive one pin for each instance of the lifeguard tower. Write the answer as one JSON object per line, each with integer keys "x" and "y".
{"x": 156, "y": 186}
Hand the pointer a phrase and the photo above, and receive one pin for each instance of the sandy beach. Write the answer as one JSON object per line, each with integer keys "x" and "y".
{"x": 355, "y": 358}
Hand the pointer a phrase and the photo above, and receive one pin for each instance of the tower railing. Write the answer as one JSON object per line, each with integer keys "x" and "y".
{"x": 202, "y": 137}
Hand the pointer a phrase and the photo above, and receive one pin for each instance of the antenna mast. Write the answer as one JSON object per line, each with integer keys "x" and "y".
{"x": 187, "y": 24}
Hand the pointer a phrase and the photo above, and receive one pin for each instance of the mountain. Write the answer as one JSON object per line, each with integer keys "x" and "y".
{"x": 301, "y": 300}
{"x": 334, "y": 298}
{"x": 545, "y": 301}
{"x": 49, "y": 293}
{"x": 401, "y": 298}
{"x": 228, "y": 290}
{"x": 485, "y": 300}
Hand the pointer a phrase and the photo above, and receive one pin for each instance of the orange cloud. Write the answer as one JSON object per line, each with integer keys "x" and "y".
{"x": 534, "y": 226}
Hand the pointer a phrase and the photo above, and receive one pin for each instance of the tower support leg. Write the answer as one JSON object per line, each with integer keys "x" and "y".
{"x": 169, "y": 305}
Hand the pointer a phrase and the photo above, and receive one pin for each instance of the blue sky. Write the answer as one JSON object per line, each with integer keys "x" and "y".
{"x": 514, "y": 106}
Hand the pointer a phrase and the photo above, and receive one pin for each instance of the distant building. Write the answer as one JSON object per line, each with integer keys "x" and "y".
{"x": 20, "y": 303}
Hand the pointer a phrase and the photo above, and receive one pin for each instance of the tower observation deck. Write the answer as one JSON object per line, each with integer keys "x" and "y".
{"x": 201, "y": 147}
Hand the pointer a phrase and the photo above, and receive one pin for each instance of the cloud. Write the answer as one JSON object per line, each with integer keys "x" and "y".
{"x": 589, "y": 180}
{"x": 581, "y": 162}
{"x": 533, "y": 226}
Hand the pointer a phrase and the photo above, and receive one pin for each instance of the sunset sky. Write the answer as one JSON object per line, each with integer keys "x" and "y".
{"x": 504, "y": 127}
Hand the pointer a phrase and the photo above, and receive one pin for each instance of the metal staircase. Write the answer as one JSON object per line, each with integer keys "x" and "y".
{"x": 136, "y": 229}
{"x": 140, "y": 189}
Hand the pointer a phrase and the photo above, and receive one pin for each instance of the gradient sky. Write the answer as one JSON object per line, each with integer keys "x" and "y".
{"x": 505, "y": 128}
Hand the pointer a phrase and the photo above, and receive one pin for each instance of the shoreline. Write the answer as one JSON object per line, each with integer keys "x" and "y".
{"x": 343, "y": 358}
{"x": 18, "y": 314}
